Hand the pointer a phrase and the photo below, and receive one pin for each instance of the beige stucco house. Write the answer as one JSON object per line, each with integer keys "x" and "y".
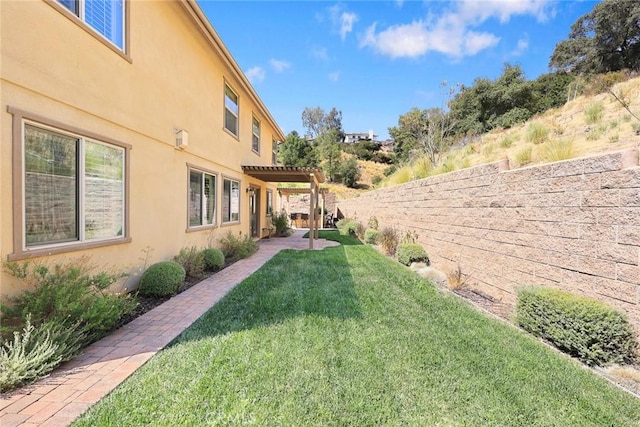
{"x": 125, "y": 126}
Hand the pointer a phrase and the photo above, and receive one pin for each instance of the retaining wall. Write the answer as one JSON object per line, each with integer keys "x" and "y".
{"x": 573, "y": 225}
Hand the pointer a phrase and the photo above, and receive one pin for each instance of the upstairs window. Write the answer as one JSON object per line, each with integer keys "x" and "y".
{"x": 255, "y": 144}
{"x": 230, "y": 110}
{"x": 104, "y": 16}
{"x": 274, "y": 152}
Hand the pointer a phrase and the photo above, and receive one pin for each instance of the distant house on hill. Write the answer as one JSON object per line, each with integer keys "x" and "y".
{"x": 353, "y": 137}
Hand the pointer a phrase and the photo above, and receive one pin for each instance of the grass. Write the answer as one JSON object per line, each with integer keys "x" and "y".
{"x": 345, "y": 336}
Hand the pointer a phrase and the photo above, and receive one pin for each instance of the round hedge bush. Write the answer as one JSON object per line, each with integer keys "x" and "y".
{"x": 213, "y": 259}
{"x": 162, "y": 279}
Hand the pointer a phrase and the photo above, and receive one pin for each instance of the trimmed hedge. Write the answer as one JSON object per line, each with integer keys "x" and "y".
{"x": 213, "y": 259}
{"x": 585, "y": 328}
{"x": 162, "y": 279}
{"x": 408, "y": 253}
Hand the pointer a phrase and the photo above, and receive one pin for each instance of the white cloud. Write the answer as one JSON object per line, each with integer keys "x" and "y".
{"x": 334, "y": 76}
{"x": 320, "y": 53}
{"x": 342, "y": 20}
{"x": 452, "y": 33}
{"x": 255, "y": 74}
{"x": 521, "y": 46}
{"x": 279, "y": 65}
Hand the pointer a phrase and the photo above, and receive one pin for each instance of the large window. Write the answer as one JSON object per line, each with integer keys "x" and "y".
{"x": 231, "y": 201}
{"x": 104, "y": 16}
{"x": 74, "y": 188}
{"x": 230, "y": 110}
{"x": 255, "y": 143}
{"x": 202, "y": 198}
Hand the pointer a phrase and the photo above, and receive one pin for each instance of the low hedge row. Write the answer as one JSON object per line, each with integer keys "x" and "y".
{"x": 585, "y": 328}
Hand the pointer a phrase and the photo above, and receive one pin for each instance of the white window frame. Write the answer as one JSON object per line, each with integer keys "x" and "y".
{"x": 227, "y": 216}
{"x": 235, "y": 132}
{"x": 255, "y": 135}
{"x": 80, "y": 14}
{"x": 269, "y": 202}
{"x": 214, "y": 220}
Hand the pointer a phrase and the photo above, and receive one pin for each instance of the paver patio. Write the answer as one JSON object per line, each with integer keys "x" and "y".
{"x": 76, "y": 385}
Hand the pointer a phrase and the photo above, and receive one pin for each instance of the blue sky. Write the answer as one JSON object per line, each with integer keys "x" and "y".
{"x": 375, "y": 60}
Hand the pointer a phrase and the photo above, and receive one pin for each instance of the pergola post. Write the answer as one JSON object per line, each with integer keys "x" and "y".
{"x": 312, "y": 211}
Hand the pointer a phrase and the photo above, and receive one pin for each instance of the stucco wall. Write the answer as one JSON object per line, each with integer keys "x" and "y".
{"x": 573, "y": 225}
{"x": 172, "y": 77}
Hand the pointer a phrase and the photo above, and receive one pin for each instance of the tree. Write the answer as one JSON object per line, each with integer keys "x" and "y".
{"x": 425, "y": 131}
{"x": 605, "y": 39}
{"x": 317, "y": 122}
{"x": 349, "y": 172}
{"x": 330, "y": 153}
{"x": 297, "y": 151}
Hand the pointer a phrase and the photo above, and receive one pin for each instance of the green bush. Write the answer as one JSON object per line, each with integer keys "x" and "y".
{"x": 193, "y": 262}
{"x": 235, "y": 247}
{"x": 280, "y": 221}
{"x": 371, "y": 236}
{"x": 582, "y": 327}
{"x": 593, "y": 112}
{"x": 347, "y": 227}
{"x": 388, "y": 240}
{"x": 213, "y": 259}
{"x": 34, "y": 352}
{"x": 408, "y": 253}
{"x": 162, "y": 279}
{"x": 65, "y": 294}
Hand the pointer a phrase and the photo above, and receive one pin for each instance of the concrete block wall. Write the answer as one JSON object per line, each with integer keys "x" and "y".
{"x": 573, "y": 225}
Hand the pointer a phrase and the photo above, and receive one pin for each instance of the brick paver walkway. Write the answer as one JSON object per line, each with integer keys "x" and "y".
{"x": 76, "y": 385}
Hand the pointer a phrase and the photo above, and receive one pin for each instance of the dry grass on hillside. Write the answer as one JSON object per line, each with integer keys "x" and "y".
{"x": 585, "y": 126}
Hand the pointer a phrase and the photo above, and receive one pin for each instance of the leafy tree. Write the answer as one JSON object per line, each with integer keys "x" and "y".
{"x": 550, "y": 91}
{"x": 317, "y": 122}
{"x": 330, "y": 153}
{"x": 349, "y": 172}
{"x": 605, "y": 39}
{"x": 363, "y": 150}
{"x": 297, "y": 151}
{"x": 425, "y": 131}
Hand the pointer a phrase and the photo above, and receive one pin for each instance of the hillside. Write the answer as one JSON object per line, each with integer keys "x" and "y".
{"x": 584, "y": 126}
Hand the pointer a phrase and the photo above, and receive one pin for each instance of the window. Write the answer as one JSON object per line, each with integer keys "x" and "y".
{"x": 269, "y": 202}
{"x": 231, "y": 201}
{"x": 274, "y": 152}
{"x": 202, "y": 198}
{"x": 74, "y": 188}
{"x": 230, "y": 110}
{"x": 104, "y": 16}
{"x": 255, "y": 144}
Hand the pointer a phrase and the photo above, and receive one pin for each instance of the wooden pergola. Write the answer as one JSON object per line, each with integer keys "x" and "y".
{"x": 313, "y": 176}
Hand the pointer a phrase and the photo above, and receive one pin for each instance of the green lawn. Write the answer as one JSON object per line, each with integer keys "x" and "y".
{"x": 345, "y": 336}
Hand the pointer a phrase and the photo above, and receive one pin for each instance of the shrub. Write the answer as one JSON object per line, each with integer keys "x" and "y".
{"x": 347, "y": 227}
{"x": 192, "y": 260}
{"x": 65, "y": 294}
{"x": 162, "y": 279}
{"x": 408, "y": 253}
{"x": 34, "y": 352}
{"x": 371, "y": 236}
{"x": 523, "y": 156}
{"x": 388, "y": 240}
{"x": 557, "y": 150}
{"x": 236, "y": 247}
{"x": 360, "y": 230}
{"x": 593, "y": 112}
{"x": 213, "y": 259}
{"x": 585, "y": 328}
{"x": 372, "y": 223}
{"x": 507, "y": 141}
{"x": 280, "y": 221}
{"x": 536, "y": 133}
